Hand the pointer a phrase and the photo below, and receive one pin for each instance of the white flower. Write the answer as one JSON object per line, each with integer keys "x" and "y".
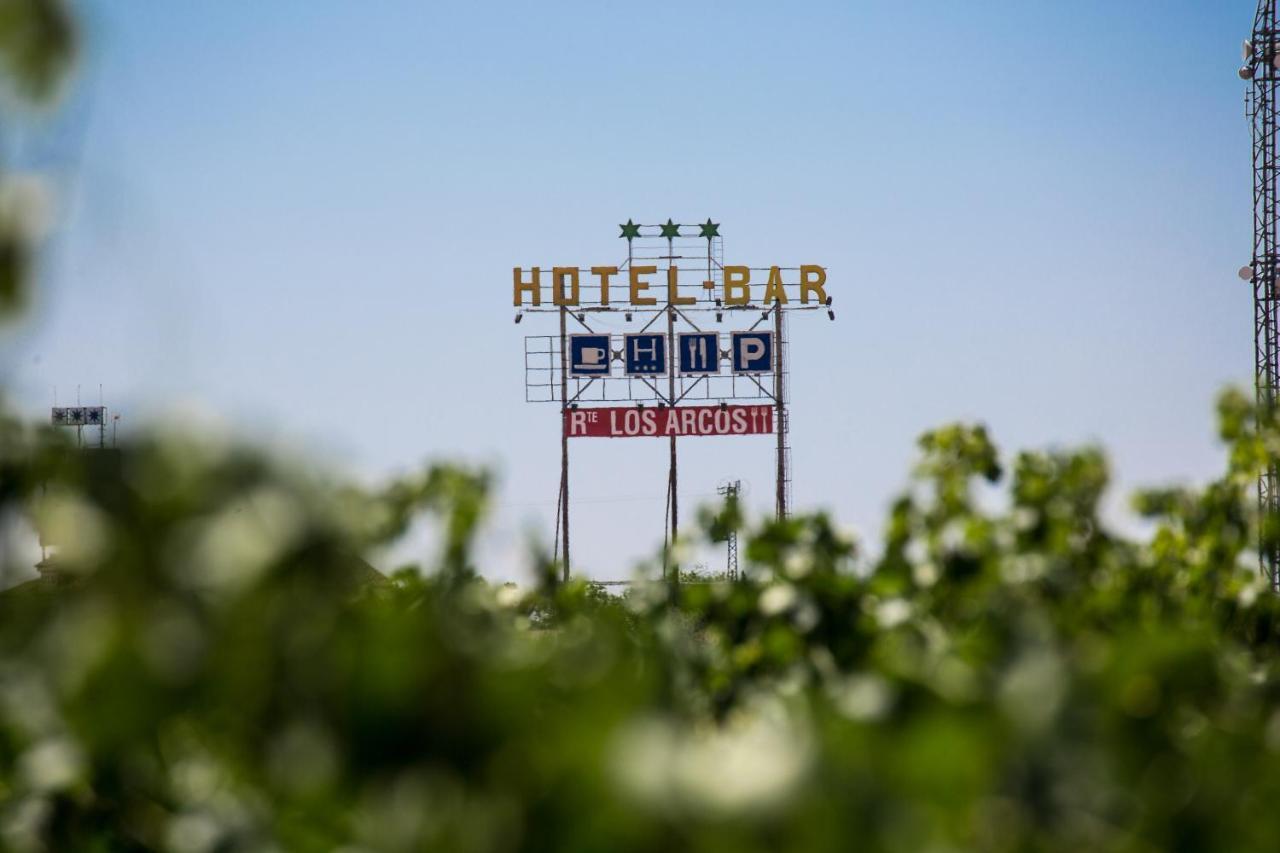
{"x": 924, "y": 574}
{"x": 26, "y": 207}
{"x": 893, "y": 612}
{"x": 954, "y": 536}
{"x": 509, "y": 595}
{"x": 805, "y": 617}
{"x": 797, "y": 565}
{"x": 195, "y": 832}
{"x": 861, "y": 697}
{"x": 232, "y": 548}
{"x": 51, "y": 765}
{"x": 777, "y": 598}
{"x": 848, "y": 536}
{"x": 1032, "y": 689}
{"x": 77, "y": 530}
{"x": 1249, "y": 593}
{"x": 753, "y": 763}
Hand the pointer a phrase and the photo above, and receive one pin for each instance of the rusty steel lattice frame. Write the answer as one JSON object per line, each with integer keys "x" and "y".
{"x": 1262, "y": 53}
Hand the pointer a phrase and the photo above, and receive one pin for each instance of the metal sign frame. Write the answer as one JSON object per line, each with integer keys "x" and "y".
{"x": 695, "y": 266}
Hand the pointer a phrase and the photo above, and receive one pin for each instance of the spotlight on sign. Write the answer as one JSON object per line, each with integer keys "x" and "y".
{"x": 828, "y": 301}
{"x": 831, "y": 315}
{"x": 627, "y": 316}
{"x": 582, "y": 318}
{"x": 519, "y": 317}
{"x": 719, "y": 317}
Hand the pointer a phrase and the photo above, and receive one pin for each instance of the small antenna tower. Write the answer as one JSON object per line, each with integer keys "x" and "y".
{"x": 730, "y": 493}
{"x": 1261, "y": 56}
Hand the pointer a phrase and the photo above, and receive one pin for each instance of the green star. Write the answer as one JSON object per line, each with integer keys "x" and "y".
{"x": 709, "y": 229}
{"x": 630, "y": 230}
{"x": 670, "y": 229}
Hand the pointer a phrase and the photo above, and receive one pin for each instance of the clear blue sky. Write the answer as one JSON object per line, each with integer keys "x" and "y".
{"x": 303, "y": 216}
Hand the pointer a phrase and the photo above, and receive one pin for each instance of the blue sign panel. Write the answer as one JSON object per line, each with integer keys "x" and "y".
{"x": 589, "y": 355}
{"x": 699, "y": 352}
{"x": 645, "y": 355}
{"x": 752, "y": 352}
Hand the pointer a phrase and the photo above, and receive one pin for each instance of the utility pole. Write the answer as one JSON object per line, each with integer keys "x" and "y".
{"x": 1261, "y": 55}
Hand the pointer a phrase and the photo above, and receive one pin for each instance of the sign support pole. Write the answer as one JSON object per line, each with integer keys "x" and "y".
{"x": 673, "y": 481}
{"x": 564, "y": 442}
{"x": 779, "y": 392}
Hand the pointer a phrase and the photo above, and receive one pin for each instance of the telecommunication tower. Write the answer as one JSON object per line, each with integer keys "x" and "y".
{"x": 1261, "y": 67}
{"x": 730, "y": 493}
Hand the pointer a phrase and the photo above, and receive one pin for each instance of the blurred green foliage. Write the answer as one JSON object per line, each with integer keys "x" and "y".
{"x": 218, "y": 669}
{"x": 211, "y": 665}
{"x": 38, "y": 41}
{"x": 37, "y": 45}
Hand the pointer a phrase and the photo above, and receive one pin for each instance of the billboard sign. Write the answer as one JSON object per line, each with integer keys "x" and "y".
{"x": 639, "y": 288}
{"x": 752, "y": 352}
{"x": 79, "y": 415}
{"x": 678, "y": 421}
{"x": 645, "y": 354}
{"x": 699, "y": 353}
{"x": 589, "y": 355}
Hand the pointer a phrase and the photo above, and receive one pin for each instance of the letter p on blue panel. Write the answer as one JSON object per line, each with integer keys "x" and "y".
{"x": 752, "y": 352}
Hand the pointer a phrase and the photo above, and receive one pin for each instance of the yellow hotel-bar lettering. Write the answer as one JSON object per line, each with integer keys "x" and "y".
{"x": 566, "y": 285}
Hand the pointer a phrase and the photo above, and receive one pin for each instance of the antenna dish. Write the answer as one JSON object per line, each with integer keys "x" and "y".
{"x": 1246, "y": 50}
{"x": 1246, "y": 72}
{"x": 1245, "y": 273}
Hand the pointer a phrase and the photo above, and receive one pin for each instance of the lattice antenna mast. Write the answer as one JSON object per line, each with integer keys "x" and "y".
{"x": 1261, "y": 61}
{"x": 729, "y": 491}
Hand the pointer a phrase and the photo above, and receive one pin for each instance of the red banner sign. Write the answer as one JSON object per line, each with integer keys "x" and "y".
{"x": 681, "y": 421}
